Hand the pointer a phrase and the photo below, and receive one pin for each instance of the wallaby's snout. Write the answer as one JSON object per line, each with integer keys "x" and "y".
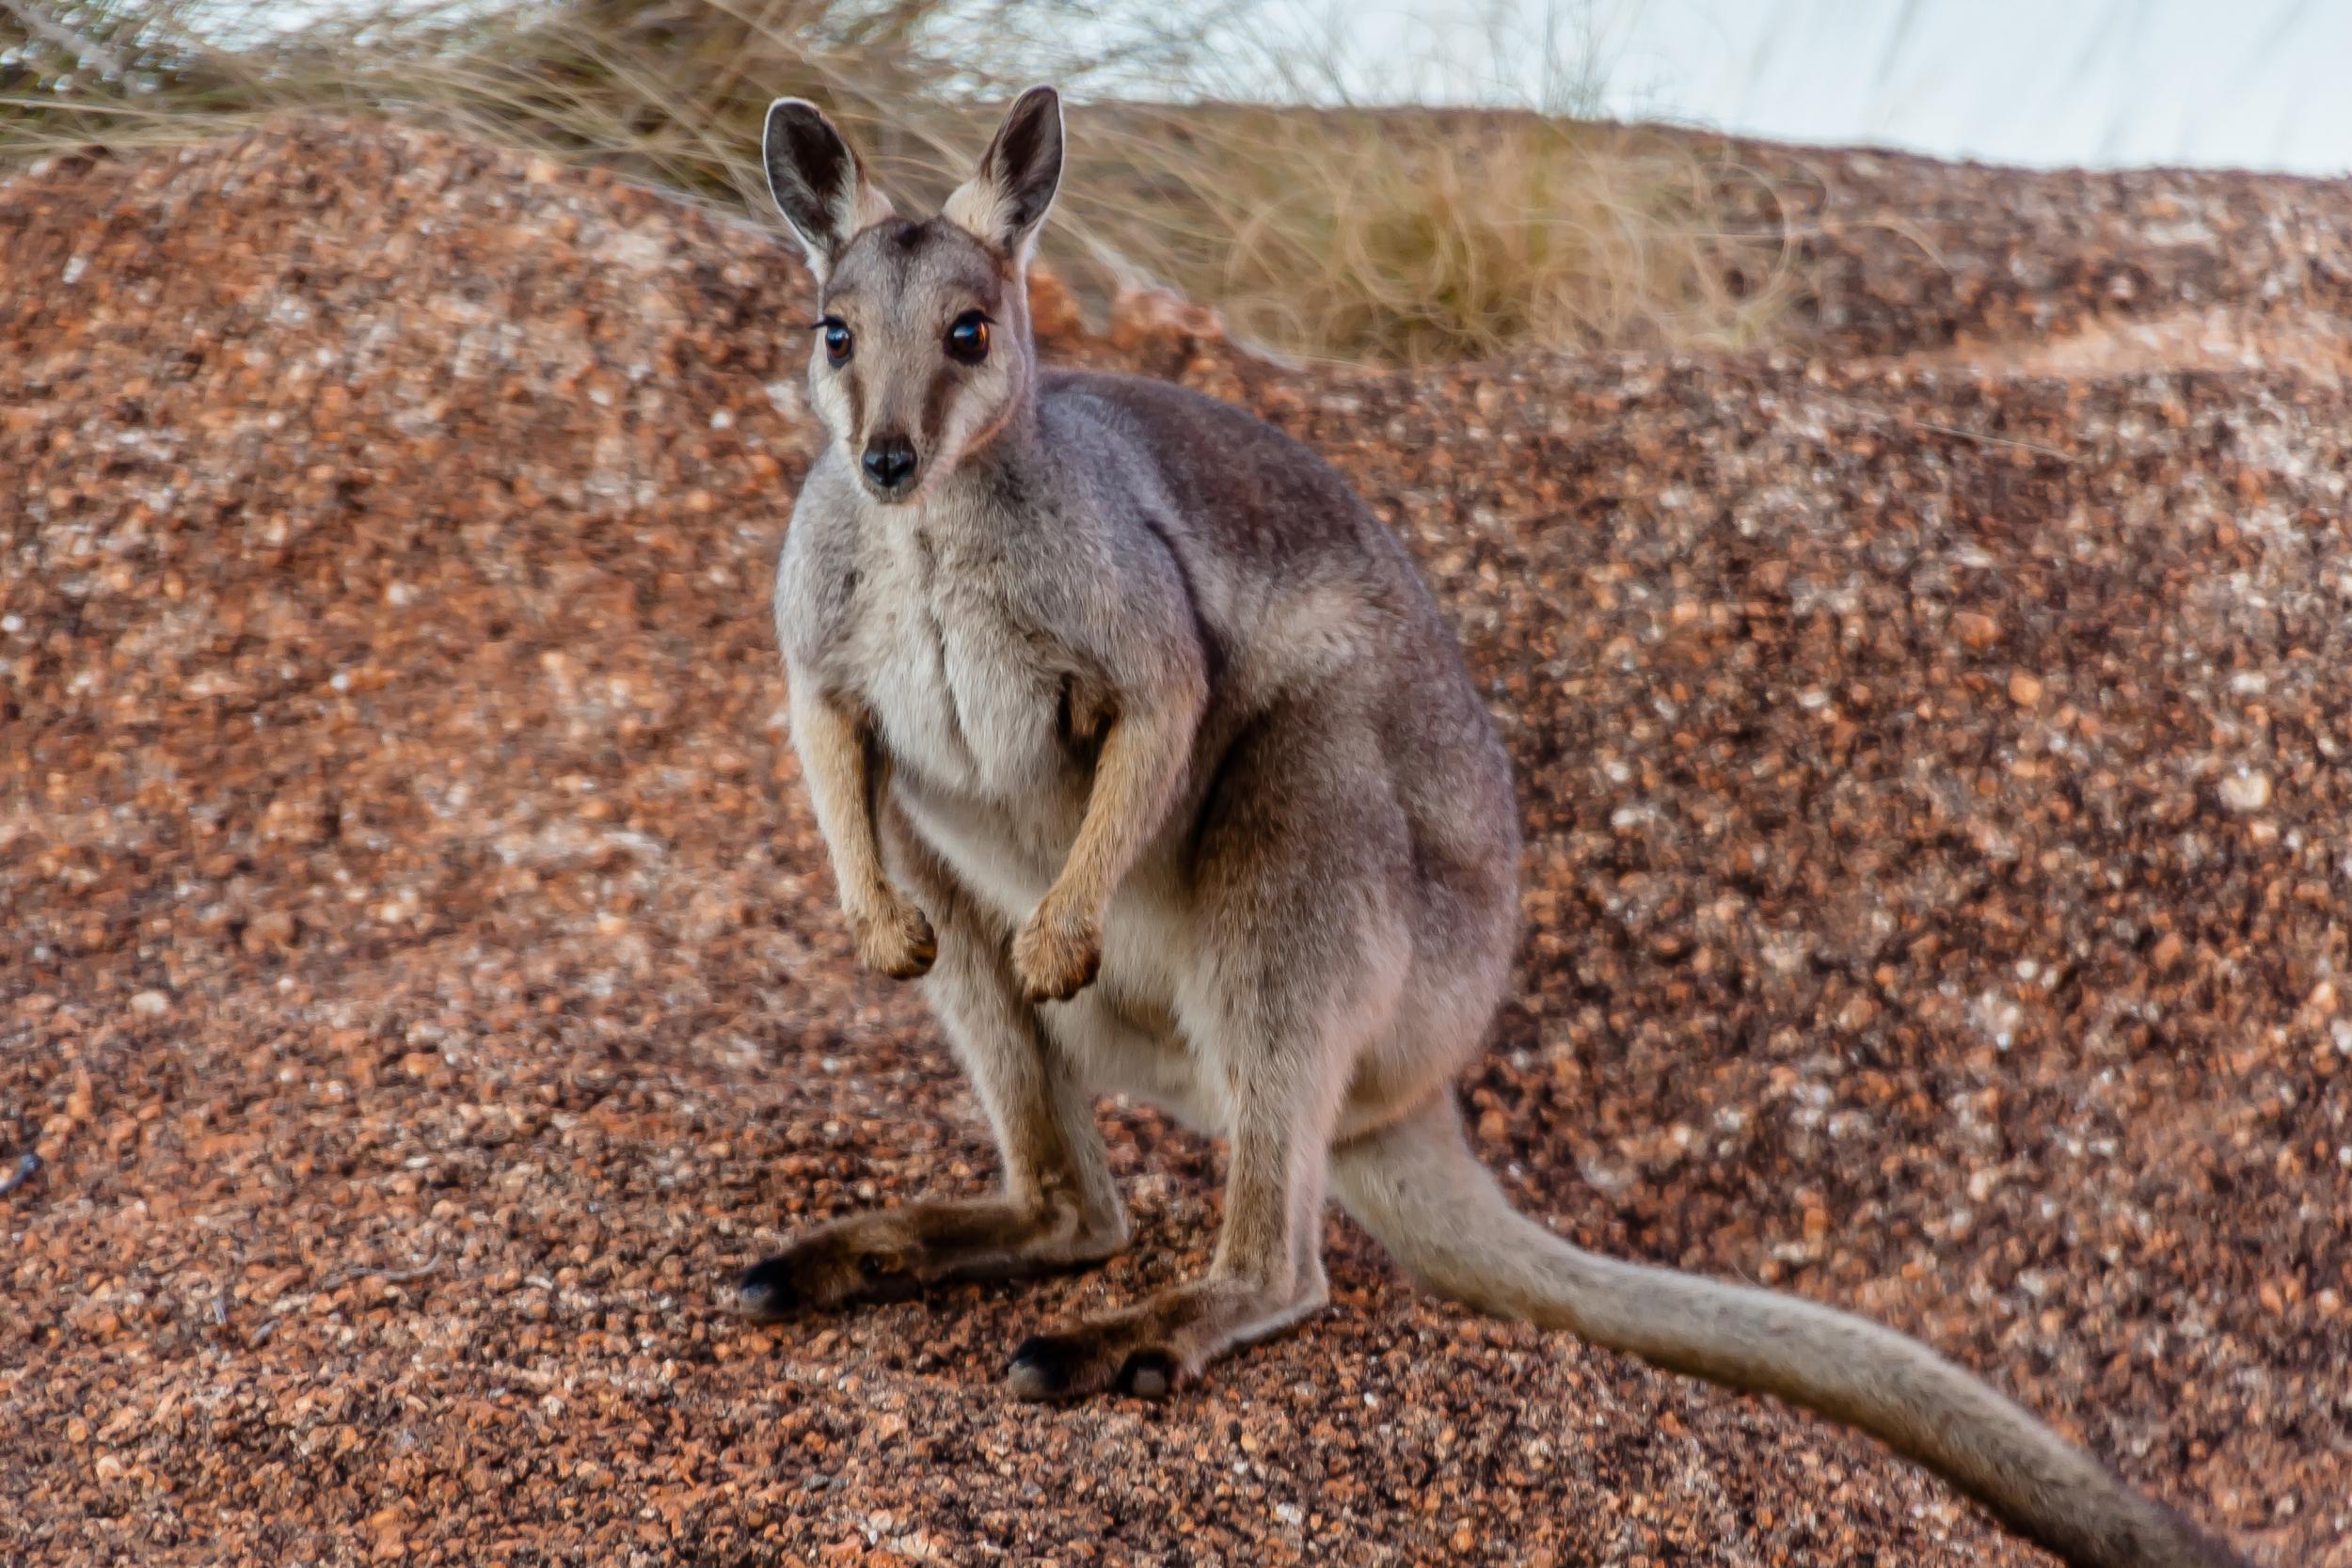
{"x": 889, "y": 463}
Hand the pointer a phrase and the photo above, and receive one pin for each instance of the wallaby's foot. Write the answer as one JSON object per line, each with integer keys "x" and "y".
{"x": 1159, "y": 1347}
{"x": 1057, "y": 952}
{"x": 896, "y": 940}
{"x": 893, "y": 1253}
{"x": 860, "y": 1260}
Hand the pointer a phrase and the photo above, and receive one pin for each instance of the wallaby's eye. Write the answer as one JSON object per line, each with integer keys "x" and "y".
{"x": 836, "y": 333}
{"x": 967, "y": 340}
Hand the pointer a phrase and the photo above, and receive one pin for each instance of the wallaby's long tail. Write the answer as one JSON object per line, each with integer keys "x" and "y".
{"x": 1417, "y": 1187}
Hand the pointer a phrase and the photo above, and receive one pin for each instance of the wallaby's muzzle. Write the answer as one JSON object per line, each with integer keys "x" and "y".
{"x": 889, "y": 465}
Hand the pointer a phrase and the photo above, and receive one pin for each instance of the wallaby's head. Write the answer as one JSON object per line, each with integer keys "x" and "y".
{"x": 922, "y": 349}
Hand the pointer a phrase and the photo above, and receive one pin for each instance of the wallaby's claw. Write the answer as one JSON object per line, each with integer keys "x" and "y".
{"x": 1150, "y": 1374}
{"x": 1039, "y": 1369}
{"x": 790, "y": 1282}
{"x": 897, "y": 941}
{"x": 860, "y": 1260}
{"x": 1095, "y": 1358}
{"x": 1054, "y": 957}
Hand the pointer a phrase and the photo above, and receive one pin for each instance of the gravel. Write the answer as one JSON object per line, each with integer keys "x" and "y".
{"x": 423, "y": 991}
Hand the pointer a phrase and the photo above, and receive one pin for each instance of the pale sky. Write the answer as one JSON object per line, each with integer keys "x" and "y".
{"x": 2257, "y": 83}
{"x": 2216, "y": 82}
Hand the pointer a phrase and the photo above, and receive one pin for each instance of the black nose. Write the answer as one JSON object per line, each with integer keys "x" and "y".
{"x": 890, "y": 460}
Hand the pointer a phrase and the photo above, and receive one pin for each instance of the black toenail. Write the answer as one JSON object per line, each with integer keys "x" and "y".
{"x": 766, "y": 1292}
{"x": 1150, "y": 1373}
{"x": 1040, "y": 1368}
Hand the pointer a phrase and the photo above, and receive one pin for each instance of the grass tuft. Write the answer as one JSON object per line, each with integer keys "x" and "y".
{"x": 1364, "y": 235}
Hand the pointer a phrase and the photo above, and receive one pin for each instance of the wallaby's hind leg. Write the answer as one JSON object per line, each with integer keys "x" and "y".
{"x": 1266, "y": 1274}
{"x": 1058, "y": 1208}
{"x": 1299, "y": 962}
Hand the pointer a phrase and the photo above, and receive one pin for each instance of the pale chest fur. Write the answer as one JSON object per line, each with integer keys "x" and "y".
{"x": 969, "y": 698}
{"x": 965, "y": 700}
{"x": 990, "y": 724}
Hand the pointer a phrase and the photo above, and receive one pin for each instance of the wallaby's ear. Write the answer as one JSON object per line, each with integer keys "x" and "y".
{"x": 1005, "y": 203}
{"x": 817, "y": 180}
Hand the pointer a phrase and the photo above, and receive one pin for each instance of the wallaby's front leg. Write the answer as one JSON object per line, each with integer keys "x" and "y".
{"x": 1058, "y": 1206}
{"x": 844, "y": 780}
{"x": 1136, "y": 777}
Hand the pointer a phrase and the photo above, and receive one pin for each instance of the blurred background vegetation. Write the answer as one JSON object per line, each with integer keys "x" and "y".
{"x": 1320, "y": 228}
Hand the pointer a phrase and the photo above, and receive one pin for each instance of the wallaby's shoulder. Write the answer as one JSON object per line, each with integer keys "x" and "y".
{"x": 1144, "y": 399}
{"x": 1176, "y": 422}
{"x": 1239, "y": 480}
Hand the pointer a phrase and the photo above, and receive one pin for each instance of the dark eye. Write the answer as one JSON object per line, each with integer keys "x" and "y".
{"x": 836, "y": 333}
{"x": 967, "y": 340}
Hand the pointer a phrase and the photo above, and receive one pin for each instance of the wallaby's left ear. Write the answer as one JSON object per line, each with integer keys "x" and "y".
{"x": 1005, "y": 203}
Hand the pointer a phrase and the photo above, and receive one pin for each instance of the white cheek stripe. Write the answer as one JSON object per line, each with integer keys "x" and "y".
{"x": 825, "y": 394}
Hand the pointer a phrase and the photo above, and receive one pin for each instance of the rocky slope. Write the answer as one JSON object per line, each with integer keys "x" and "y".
{"x": 421, "y": 984}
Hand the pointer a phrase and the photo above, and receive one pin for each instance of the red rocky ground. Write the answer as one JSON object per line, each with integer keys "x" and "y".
{"x": 422, "y": 981}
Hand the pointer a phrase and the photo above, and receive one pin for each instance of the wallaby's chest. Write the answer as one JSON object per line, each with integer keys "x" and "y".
{"x": 967, "y": 699}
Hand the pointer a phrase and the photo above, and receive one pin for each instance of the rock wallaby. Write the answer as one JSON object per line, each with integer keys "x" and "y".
{"x": 1134, "y": 732}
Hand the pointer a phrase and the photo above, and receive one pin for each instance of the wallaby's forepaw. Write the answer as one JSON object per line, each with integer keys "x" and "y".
{"x": 896, "y": 940}
{"x": 1055, "y": 955}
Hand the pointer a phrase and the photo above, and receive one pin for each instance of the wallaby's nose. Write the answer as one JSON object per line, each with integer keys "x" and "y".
{"x": 890, "y": 460}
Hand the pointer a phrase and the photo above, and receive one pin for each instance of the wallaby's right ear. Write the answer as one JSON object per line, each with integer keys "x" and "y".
{"x": 817, "y": 184}
{"x": 1005, "y": 203}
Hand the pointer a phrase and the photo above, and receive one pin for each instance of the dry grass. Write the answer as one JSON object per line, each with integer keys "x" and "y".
{"x": 1428, "y": 237}
{"x": 1359, "y": 235}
